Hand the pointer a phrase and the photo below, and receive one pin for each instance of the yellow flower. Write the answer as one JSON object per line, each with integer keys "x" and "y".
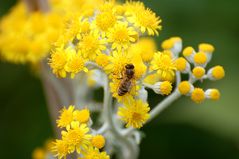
{"x": 145, "y": 47}
{"x": 82, "y": 116}
{"x": 104, "y": 21}
{"x": 118, "y": 60}
{"x": 58, "y": 62}
{"x": 60, "y": 149}
{"x": 107, "y": 6}
{"x": 102, "y": 60}
{"x": 84, "y": 27}
{"x": 134, "y": 113}
{"x": 90, "y": 45}
{"x": 98, "y": 141}
{"x": 76, "y": 137}
{"x": 163, "y": 64}
{"x": 75, "y": 64}
{"x": 94, "y": 153}
{"x": 66, "y": 117}
{"x": 132, "y": 6}
{"x": 146, "y": 20}
{"x": 121, "y": 36}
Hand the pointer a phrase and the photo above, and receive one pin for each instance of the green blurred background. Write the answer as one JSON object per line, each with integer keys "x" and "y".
{"x": 185, "y": 130}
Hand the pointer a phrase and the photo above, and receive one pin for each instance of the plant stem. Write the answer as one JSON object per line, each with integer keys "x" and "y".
{"x": 130, "y": 146}
{"x": 167, "y": 101}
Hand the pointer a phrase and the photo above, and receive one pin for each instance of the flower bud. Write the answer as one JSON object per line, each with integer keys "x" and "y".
{"x": 198, "y": 72}
{"x": 216, "y": 73}
{"x": 185, "y": 88}
{"x": 163, "y": 88}
{"x": 213, "y": 94}
{"x": 182, "y": 65}
{"x": 189, "y": 53}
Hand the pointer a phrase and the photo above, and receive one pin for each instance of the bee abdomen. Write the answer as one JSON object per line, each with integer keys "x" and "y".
{"x": 124, "y": 88}
{"x": 122, "y": 92}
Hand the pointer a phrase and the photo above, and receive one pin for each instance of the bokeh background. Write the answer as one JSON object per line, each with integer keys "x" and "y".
{"x": 184, "y": 130}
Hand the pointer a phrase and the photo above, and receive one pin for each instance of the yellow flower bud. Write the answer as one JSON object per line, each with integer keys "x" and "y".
{"x": 98, "y": 141}
{"x": 198, "y": 95}
{"x": 198, "y": 72}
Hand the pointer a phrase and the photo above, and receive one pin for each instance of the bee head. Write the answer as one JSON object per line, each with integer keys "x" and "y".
{"x": 129, "y": 66}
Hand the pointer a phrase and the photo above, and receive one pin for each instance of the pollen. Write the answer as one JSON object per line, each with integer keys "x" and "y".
{"x": 198, "y": 72}
{"x": 98, "y": 141}
{"x": 185, "y": 87}
{"x": 82, "y": 116}
{"x": 218, "y": 72}
{"x": 198, "y": 95}
{"x": 200, "y": 58}
{"x": 208, "y": 48}
{"x": 181, "y": 64}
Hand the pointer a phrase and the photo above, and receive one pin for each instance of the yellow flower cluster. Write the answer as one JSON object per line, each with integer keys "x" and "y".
{"x": 76, "y": 136}
{"x": 110, "y": 33}
{"x": 113, "y": 39}
{"x": 27, "y": 38}
{"x": 199, "y": 60}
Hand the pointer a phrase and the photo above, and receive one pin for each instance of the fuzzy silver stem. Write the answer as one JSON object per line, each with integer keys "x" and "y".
{"x": 129, "y": 147}
{"x": 167, "y": 101}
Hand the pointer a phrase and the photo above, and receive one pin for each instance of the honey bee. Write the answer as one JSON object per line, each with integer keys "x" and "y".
{"x": 126, "y": 80}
